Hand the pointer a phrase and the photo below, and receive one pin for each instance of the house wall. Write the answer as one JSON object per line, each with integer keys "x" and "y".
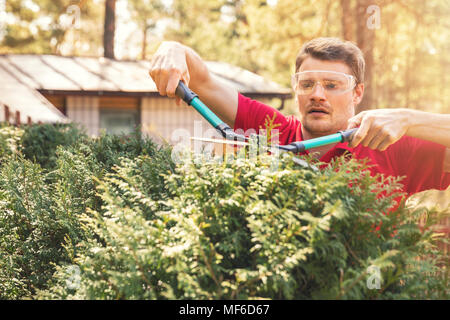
{"x": 123, "y": 103}
{"x": 85, "y": 111}
{"x": 162, "y": 120}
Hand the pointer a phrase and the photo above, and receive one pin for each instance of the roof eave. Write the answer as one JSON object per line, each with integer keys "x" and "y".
{"x": 148, "y": 94}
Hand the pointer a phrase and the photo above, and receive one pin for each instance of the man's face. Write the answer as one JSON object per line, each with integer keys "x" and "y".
{"x": 338, "y": 108}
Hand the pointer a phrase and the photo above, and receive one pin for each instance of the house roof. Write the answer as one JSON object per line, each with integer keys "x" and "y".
{"x": 24, "y": 76}
{"x": 18, "y": 96}
{"x": 58, "y": 73}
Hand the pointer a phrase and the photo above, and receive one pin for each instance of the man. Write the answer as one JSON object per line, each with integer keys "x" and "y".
{"x": 328, "y": 84}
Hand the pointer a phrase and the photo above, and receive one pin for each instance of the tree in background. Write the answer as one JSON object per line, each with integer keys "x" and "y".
{"x": 146, "y": 14}
{"x": 405, "y": 43}
{"x": 360, "y": 20}
{"x": 109, "y": 28}
{"x": 51, "y": 26}
{"x": 412, "y": 64}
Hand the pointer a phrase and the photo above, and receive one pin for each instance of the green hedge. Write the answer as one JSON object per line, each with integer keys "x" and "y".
{"x": 115, "y": 218}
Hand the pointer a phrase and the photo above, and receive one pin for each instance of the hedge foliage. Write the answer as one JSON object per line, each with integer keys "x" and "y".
{"x": 114, "y": 218}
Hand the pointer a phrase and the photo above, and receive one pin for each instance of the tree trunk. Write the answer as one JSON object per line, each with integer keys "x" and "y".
{"x": 347, "y": 20}
{"x": 110, "y": 26}
{"x": 144, "y": 42}
{"x": 365, "y": 39}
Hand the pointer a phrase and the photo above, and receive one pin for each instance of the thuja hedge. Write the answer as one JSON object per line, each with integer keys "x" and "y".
{"x": 115, "y": 218}
{"x": 46, "y": 185}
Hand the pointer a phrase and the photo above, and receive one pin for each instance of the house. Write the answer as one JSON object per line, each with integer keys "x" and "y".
{"x": 105, "y": 94}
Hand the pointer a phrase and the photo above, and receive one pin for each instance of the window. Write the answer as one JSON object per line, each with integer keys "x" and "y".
{"x": 118, "y": 121}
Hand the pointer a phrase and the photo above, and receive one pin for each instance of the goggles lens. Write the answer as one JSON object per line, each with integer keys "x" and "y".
{"x": 334, "y": 83}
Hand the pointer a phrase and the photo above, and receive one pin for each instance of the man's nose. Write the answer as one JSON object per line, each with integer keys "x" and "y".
{"x": 318, "y": 93}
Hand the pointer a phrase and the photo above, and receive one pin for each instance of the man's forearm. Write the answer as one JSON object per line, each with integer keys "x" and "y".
{"x": 380, "y": 128}
{"x": 429, "y": 126}
{"x": 219, "y": 97}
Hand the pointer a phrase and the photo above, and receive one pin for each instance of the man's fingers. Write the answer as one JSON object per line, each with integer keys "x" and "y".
{"x": 356, "y": 120}
{"x": 371, "y": 133}
{"x": 361, "y": 133}
{"x": 155, "y": 71}
{"x": 387, "y": 141}
{"x": 377, "y": 138}
{"x": 166, "y": 77}
{"x": 172, "y": 83}
{"x": 353, "y": 123}
{"x": 155, "y": 68}
{"x": 162, "y": 84}
{"x": 186, "y": 78}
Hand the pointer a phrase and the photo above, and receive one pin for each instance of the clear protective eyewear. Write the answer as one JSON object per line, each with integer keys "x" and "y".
{"x": 334, "y": 83}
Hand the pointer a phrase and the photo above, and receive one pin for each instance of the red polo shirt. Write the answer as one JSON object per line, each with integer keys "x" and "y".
{"x": 420, "y": 162}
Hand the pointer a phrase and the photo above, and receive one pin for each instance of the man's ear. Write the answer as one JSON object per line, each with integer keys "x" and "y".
{"x": 358, "y": 93}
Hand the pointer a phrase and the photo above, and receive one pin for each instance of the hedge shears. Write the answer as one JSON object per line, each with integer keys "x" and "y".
{"x": 192, "y": 99}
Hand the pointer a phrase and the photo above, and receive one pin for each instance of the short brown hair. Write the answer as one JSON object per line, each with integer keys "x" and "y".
{"x": 334, "y": 49}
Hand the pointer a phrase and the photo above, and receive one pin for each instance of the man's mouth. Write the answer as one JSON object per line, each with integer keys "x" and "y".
{"x": 318, "y": 110}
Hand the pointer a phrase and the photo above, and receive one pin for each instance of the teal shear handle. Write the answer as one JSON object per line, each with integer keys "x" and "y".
{"x": 301, "y": 146}
{"x": 191, "y": 98}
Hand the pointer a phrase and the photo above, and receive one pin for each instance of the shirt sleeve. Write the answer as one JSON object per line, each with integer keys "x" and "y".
{"x": 252, "y": 116}
{"x": 422, "y": 164}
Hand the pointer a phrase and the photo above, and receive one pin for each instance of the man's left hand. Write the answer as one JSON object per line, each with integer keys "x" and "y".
{"x": 380, "y": 128}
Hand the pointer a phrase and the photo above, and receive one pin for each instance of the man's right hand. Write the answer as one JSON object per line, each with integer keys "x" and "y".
{"x": 168, "y": 67}
{"x": 173, "y": 62}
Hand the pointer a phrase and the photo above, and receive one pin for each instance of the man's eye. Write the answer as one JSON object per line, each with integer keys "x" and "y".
{"x": 331, "y": 85}
{"x": 306, "y": 84}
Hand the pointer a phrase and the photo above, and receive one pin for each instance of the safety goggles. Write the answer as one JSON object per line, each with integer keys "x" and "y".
{"x": 334, "y": 83}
